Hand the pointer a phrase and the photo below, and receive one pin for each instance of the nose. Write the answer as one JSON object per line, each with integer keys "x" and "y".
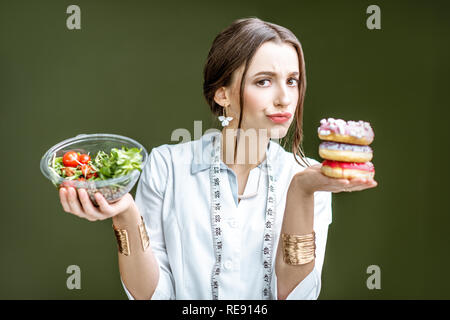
{"x": 282, "y": 99}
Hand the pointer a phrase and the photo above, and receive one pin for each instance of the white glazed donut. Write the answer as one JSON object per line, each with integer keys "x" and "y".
{"x": 345, "y": 152}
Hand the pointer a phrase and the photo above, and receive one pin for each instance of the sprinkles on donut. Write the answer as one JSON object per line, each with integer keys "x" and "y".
{"x": 346, "y": 148}
{"x": 339, "y": 130}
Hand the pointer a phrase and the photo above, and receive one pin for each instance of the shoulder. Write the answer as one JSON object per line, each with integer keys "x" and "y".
{"x": 177, "y": 154}
{"x": 163, "y": 161}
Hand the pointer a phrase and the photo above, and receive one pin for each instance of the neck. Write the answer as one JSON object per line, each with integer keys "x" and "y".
{"x": 245, "y": 150}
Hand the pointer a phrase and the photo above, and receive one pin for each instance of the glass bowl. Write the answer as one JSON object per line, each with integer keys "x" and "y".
{"x": 112, "y": 189}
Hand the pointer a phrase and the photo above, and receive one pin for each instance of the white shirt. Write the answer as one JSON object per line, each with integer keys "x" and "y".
{"x": 173, "y": 197}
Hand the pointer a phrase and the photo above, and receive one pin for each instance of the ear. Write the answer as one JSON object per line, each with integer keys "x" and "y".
{"x": 221, "y": 97}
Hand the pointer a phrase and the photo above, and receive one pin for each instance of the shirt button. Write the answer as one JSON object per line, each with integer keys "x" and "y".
{"x": 228, "y": 264}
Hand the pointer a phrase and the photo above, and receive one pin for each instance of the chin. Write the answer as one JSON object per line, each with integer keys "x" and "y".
{"x": 278, "y": 132}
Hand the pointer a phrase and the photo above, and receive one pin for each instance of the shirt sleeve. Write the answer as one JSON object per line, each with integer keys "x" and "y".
{"x": 150, "y": 201}
{"x": 309, "y": 287}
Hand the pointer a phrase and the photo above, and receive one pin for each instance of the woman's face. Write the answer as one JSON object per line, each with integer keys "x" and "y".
{"x": 271, "y": 86}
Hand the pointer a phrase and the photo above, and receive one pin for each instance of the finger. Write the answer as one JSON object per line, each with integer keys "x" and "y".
{"x": 337, "y": 185}
{"x": 342, "y": 184}
{"x": 367, "y": 185}
{"x": 88, "y": 207}
{"x": 348, "y": 184}
{"x": 366, "y": 181}
{"x": 75, "y": 206}
{"x": 105, "y": 207}
{"x": 123, "y": 204}
{"x": 371, "y": 183}
{"x": 63, "y": 199}
{"x": 357, "y": 181}
{"x": 342, "y": 181}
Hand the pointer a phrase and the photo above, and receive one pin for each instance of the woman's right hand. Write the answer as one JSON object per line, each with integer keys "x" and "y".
{"x": 83, "y": 207}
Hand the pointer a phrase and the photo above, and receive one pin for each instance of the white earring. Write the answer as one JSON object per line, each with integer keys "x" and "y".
{"x": 224, "y": 119}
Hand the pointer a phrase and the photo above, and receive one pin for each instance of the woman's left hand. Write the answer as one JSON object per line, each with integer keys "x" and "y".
{"x": 312, "y": 179}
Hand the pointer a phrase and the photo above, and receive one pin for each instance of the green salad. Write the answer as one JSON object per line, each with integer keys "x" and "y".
{"x": 76, "y": 166}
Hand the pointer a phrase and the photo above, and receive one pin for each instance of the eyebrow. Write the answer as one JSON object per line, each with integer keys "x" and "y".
{"x": 270, "y": 73}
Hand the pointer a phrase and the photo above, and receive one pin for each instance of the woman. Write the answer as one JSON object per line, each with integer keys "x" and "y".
{"x": 223, "y": 222}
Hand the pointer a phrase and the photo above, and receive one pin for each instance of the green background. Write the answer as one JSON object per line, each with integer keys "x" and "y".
{"x": 135, "y": 69}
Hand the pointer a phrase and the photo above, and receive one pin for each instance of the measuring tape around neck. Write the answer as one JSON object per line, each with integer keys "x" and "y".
{"x": 216, "y": 220}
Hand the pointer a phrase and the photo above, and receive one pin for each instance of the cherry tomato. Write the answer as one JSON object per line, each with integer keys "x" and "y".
{"x": 90, "y": 175}
{"x": 81, "y": 179}
{"x": 70, "y": 159}
{"x": 84, "y": 158}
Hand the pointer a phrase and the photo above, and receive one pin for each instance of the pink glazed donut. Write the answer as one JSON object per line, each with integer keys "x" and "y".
{"x": 352, "y": 132}
{"x": 348, "y": 170}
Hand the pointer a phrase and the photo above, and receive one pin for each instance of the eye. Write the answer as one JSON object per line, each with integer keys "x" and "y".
{"x": 262, "y": 82}
{"x": 293, "y": 81}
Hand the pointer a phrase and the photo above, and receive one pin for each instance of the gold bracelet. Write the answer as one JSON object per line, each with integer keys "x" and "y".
{"x": 299, "y": 250}
{"x": 122, "y": 238}
{"x": 145, "y": 241}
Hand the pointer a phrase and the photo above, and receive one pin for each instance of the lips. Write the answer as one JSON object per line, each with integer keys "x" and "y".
{"x": 279, "y": 117}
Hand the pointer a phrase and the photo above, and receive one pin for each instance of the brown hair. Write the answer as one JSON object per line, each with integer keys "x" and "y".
{"x": 236, "y": 45}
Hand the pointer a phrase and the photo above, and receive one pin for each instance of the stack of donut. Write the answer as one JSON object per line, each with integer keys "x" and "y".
{"x": 346, "y": 148}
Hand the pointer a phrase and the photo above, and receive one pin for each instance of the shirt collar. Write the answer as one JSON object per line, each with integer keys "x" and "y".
{"x": 202, "y": 149}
